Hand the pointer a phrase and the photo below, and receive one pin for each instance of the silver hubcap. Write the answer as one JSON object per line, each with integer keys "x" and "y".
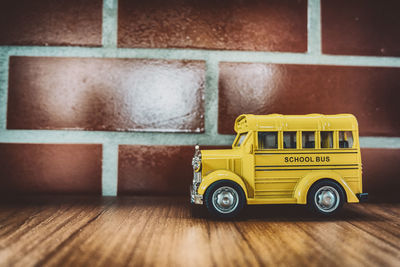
{"x": 327, "y": 199}
{"x": 225, "y": 199}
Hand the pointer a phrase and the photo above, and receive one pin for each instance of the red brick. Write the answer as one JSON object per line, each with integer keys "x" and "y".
{"x": 106, "y": 94}
{"x": 49, "y": 22}
{"x": 50, "y": 169}
{"x": 381, "y": 172}
{"x": 257, "y": 25}
{"x": 361, "y": 27}
{"x": 370, "y": 93}
{"x": 155, "y": 169}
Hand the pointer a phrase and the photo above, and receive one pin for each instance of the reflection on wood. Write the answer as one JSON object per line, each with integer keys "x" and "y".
{"x": 162, "y": 232}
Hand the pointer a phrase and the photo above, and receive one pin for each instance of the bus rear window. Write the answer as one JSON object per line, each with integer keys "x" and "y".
{"x": 346, "y": 139}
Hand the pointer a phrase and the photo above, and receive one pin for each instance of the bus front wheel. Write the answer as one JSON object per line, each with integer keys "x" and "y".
{"x": 224, "y": 199}
{"x": 325, "y": 197}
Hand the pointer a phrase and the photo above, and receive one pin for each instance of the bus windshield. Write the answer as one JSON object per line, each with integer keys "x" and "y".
{"x": 240, "y": 140}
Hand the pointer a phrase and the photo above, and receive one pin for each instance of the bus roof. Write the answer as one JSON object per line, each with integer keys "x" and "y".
{"x": 309, "y": 122}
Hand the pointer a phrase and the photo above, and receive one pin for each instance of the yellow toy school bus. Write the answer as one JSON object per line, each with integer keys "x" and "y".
{"x": 276, "y": 159}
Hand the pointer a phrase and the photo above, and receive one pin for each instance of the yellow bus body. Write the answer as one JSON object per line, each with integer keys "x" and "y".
{"x": 284, "y": 175}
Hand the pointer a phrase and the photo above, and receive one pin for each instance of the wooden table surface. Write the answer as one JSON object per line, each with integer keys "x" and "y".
{"x": 160, "y": 231}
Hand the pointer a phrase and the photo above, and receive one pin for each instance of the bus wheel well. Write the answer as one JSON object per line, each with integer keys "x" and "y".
{"x": 226, "y": 181}
{"x": 332, "y": 180}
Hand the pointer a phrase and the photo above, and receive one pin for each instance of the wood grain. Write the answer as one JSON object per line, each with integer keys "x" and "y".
{"x": 148, "y": 231}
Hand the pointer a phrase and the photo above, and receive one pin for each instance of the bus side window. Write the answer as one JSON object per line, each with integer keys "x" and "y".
{"x": 267, "y": 140}
{"x": 326, "y": 139}
{"x": 308, "y": 139}
{"x": 346, "y": 139}
{"x": 289, "y": 140}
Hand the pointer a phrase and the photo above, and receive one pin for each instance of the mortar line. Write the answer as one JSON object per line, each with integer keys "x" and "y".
{"x": 109, "y": 176}
{"x": 143, "y": 138}
{"x": 314, "y": 42}
{"x": 211, "y": 98}
{"x": 199, "y": 54}
{"x": 4, "y": 73}
{"x": 110, "y": 23}
{"x": 96, "y": 137}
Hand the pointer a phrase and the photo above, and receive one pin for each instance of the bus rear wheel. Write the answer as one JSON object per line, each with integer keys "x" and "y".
{"x": 224, "y": 199}
{"x": 325, "y": 197}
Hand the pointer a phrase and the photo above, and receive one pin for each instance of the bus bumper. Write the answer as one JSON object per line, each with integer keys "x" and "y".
{"x": 194, "y": 197}
{"x": 362, "y": 197}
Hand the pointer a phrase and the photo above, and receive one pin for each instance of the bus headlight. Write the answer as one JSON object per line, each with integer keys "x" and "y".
{"x": 196, "y": 161}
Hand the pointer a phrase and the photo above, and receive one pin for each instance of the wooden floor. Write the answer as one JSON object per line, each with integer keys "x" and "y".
{"x": 145, "y": 231}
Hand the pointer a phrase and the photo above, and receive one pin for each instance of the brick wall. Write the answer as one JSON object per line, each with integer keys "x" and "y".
{"x": 108, "y": 97}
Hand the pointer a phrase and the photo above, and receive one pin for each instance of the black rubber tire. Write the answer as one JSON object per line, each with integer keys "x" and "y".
{"x": 313, "y": 190}
{"x": 208, "y": 199}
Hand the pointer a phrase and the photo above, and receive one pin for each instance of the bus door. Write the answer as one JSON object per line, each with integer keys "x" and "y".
{"x": 273, "y": 179}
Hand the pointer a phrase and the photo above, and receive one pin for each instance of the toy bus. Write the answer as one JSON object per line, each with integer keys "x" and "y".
{"x": 309, "y": 159}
